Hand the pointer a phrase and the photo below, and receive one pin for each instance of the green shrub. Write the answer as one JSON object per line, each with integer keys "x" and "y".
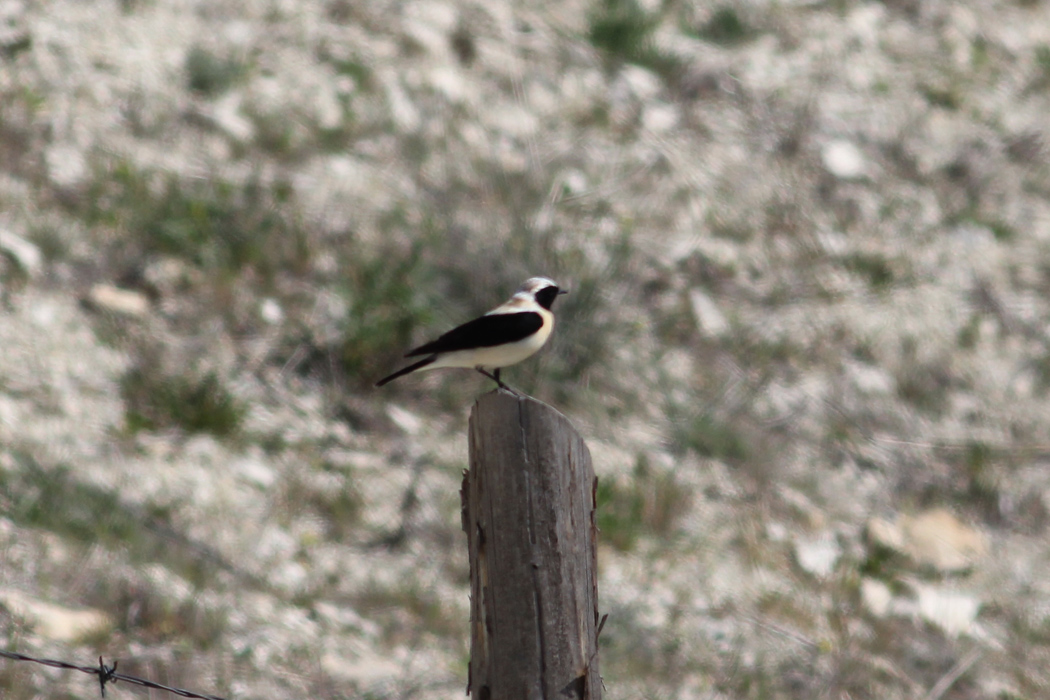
{"x": 154, "y": 401}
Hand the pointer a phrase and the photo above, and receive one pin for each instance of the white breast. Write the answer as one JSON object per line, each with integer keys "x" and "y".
{"x": 499, "y": 355}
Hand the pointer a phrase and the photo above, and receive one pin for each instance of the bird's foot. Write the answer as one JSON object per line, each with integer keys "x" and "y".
{"x": 495, "y": 377}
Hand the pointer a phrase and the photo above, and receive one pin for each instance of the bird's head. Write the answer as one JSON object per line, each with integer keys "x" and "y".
{"x": 543, "y": 290}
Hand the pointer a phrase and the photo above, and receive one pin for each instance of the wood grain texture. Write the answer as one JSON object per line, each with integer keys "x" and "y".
{"x": 528, "y": 511}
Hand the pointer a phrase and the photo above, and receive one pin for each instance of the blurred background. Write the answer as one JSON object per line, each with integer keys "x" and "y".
{"x": 806, "y": 339}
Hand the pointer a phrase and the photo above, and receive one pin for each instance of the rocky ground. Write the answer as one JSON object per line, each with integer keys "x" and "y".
{"x": 809, "y": 252}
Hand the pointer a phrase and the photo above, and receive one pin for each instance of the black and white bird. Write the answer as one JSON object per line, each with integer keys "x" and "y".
{"x": 504, "y": 336}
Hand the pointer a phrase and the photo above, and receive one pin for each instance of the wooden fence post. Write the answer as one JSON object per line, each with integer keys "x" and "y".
{"x": 528, "y": 511}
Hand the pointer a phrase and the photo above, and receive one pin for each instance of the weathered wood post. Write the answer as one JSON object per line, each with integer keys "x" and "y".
{"x": 528, "y": 511}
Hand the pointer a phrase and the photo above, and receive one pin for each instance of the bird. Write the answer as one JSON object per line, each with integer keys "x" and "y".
{"x": 508, "y": 334}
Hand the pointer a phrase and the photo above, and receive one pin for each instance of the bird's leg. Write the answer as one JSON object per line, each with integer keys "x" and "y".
{"x": 495, "y": 377}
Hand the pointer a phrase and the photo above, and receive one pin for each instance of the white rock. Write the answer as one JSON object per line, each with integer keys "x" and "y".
{"x": 270, "y": 311}
{"x": 405, "y": 419}
{"x": 818, "y": 555}
{"x": 125, "y": 302}
{"x": 643, "y": 84}
{"x": 255, "y": 471}
{"x": 953, "y": 611}
{"x": 239, "y": 33}
{"x": 938, "y": 539}
{"x": 777, "y": 532}
{"x": 66, "y": 165}
{"x": 869, "y": 379}
{"x": 876, "y": 597}
{"x": 450, "y": 82}
{"x": 52, "y": 621}
{"x": 288, "y": 576}
{"x": 660, "y": 117}
{"x": 834, "y": 242}
{"x": 843, "y": 160}
{"x": 227, "y": 116}
{"x": 46, "y": 313}
{"x": 24, "y": 254}
{"x": 574, "y": 182}
{"x": 430, "y": 24}
{"x": 885, "y": 534}
{"x": 709, "y": 318}
{"x": 934, "y": 538}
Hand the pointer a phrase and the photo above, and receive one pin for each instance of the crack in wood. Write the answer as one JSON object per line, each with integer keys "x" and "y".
{"x": 537, "y": 595}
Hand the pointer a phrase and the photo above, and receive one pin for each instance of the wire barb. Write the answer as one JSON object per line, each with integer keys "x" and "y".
{"x": 107, "y": 674}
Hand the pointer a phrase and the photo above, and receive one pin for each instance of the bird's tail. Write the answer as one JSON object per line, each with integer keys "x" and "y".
{"x": 406, "y": 370}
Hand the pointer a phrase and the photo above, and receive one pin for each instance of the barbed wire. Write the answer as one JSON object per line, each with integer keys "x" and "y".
{"x": 107, "y": 674}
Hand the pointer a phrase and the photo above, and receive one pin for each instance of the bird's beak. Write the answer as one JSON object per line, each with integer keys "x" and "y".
{"x": 562, "y": 291}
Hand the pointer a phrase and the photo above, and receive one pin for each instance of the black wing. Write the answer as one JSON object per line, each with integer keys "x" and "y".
{"x": 484, "y": 332}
